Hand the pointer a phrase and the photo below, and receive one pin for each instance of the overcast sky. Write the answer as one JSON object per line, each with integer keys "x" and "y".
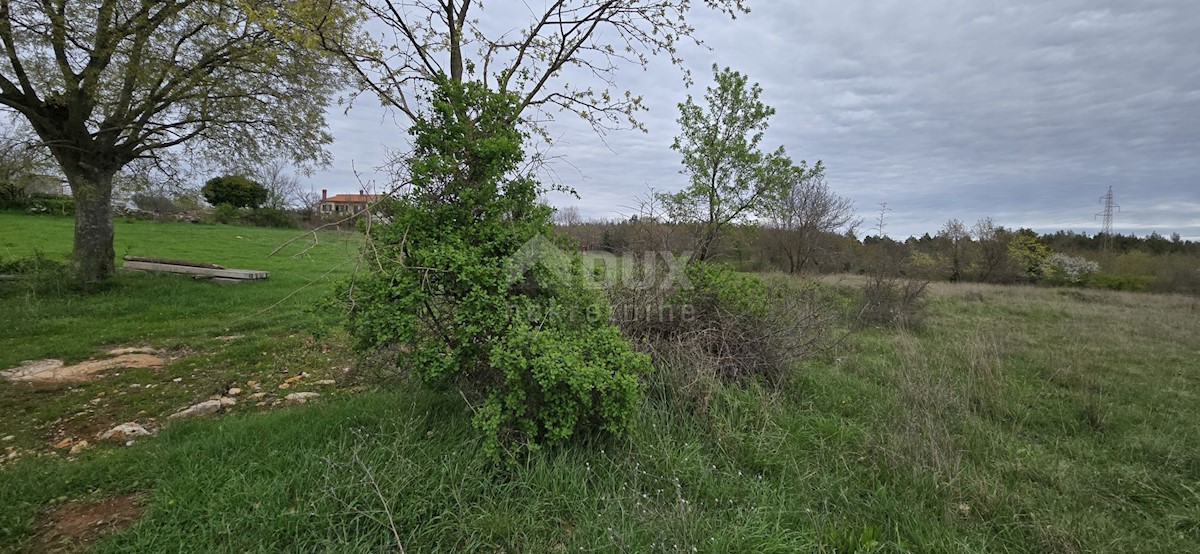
{"x": 1023, "y": 111}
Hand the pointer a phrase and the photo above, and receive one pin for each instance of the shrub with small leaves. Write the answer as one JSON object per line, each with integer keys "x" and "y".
{"x": 463, "y": 293}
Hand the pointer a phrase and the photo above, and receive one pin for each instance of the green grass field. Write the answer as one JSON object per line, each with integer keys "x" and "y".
{"x": 1016, "y": 419}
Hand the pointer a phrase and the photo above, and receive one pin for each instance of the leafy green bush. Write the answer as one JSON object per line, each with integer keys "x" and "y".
{"x": 558, "y": 381}
{"x": 717, "y": 290}
{"x": 1116, "y": 282}
{"x": 35, "y": 275}
{"x": 13, "y": 197}
{"x": 270, "y": 217}
{"x": 468, "y": 291}
{"x": 227, "y": 213}
{"x": 234, "y": 190}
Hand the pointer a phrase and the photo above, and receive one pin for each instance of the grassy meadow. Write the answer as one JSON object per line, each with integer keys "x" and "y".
{"x": 1014, "y": 419}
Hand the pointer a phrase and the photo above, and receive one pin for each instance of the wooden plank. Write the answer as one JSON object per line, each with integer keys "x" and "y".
{"x": 172, "y": 262}
{"x": 244, "y": 274}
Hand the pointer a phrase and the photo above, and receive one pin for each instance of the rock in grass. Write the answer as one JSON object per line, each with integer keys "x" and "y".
{"x": 208, "y": 407}
{"x": 79, "y": 446}
{"x": 125, "y": 431}
{"x": 300, "y": 397}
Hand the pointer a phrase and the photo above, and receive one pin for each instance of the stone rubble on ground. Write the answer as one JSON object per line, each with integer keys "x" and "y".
{"x": 208, "y": 407}
{"x": 78, "y": 447}
{"x": 300, "y": 397}
{"x": 125, "y": 431}
{"x": 326, "y": 382}
{"x": 234, "y": 391}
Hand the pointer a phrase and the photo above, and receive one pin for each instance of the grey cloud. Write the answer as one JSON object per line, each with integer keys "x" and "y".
{"x": 1023, "y": 111}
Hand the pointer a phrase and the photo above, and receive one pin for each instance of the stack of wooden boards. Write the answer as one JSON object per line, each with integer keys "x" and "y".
{"x": 197, "y": 270}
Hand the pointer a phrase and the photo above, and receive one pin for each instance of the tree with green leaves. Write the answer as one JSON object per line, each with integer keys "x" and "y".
{"x": 1028, "y": 253}
{"x": 104, "y": 83}
{"x": 730, "y": 177}
{"x": 464, "y": 298}
{"x": 234, "y": 190}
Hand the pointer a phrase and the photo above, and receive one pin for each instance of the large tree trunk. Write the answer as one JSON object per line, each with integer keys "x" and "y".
{"x": 93, "y": 256}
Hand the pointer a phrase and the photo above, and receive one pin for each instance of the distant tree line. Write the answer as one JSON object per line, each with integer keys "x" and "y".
{"x": 981, "y": 252}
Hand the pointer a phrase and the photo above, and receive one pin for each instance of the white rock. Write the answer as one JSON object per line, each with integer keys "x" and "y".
{"x": 8, "y": 438}
{"x": 235, "y": 391}
{"x": 300, "y": 397}
{"x": 178, "y": 379}
{"x": 208, "y": 407}
{"x": 326, "y": 382}
{"x": 31, "y": 369}
{"x": 79, "y": 446}
{"x": 125, "y": 431}
{"x": 257, "y": 395}
{"x": 132, "y": 350}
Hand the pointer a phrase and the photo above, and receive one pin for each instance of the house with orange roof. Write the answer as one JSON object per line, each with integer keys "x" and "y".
{"x": 345, "y": 204}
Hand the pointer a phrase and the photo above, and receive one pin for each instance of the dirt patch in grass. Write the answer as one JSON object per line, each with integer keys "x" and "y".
{"x": 74, "y": 526}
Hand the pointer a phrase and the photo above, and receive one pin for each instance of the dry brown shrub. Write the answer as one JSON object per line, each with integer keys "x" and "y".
{"x": 892, "y": 301}
{"x": 727, "y": 328}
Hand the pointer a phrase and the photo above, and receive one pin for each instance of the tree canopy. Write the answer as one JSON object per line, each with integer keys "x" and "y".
{"x": 730, "y": 177}
{"x": 235, "y": 190}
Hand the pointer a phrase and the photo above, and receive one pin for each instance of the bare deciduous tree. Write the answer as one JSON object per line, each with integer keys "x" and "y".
{"x": 22, "y": 158}
{"x": 956, "y": 238}
{"x": 283, "y": 187}
{"x": 568, "y": 216}
{"x": 993, "y": 249}
{"x": 805, "y": 212}
{"x": 524, "y": 50}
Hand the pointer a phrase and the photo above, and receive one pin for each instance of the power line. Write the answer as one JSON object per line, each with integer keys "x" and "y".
{"x": 1107, "y": 230}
